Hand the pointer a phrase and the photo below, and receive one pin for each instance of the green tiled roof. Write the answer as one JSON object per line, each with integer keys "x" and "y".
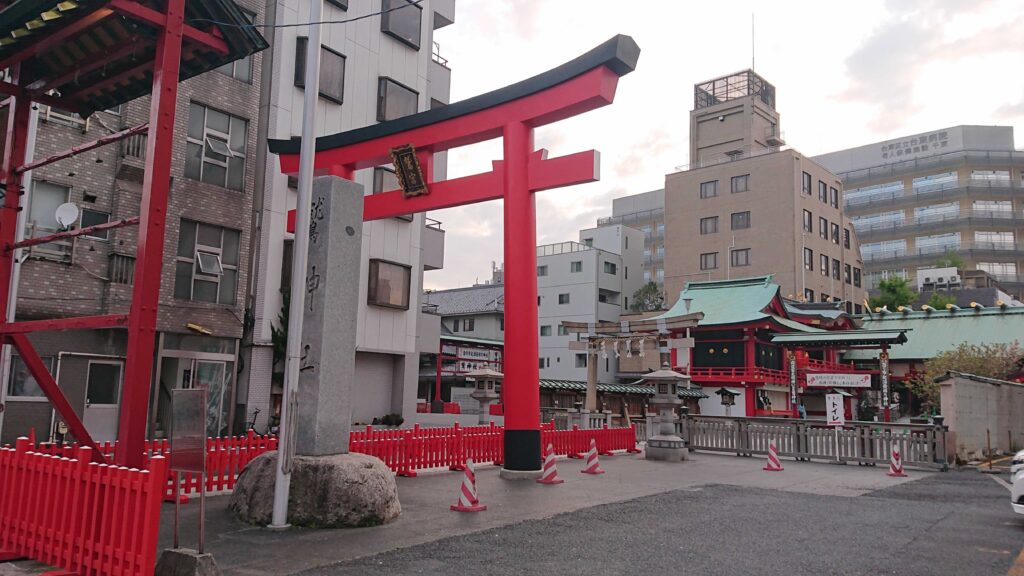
{"x": 935, "y": 332}
{"x": 634, "y": 388}
{"x": 726, "y": 302}
{"x": 839, "y": 337}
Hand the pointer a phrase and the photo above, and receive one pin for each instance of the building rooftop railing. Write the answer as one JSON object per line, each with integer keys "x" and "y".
{"x": 431, "y": 223}
{"x": 436, "y": 55}
{"x": 561, "y": 248}
{"x": 931, "y": 252}
{"x": 741, "y": 153}
{"x": 938, "y": 161}
{"x": 641, "y": 216}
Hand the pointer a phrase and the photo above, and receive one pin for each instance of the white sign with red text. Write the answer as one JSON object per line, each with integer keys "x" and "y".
{"x": 834, "y": 409}
{"x": 839, "y": 380}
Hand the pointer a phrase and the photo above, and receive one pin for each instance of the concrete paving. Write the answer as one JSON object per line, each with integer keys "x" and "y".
{"x": 245, "y": 550}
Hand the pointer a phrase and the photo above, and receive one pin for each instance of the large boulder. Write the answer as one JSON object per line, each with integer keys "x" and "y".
{"x": 339, "y": 491}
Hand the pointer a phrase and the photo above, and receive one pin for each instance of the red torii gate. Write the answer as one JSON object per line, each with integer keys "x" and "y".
{"x": 583, "y": 84}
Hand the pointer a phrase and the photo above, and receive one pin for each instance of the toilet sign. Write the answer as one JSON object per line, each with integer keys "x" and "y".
{"x": 834, "y": 409}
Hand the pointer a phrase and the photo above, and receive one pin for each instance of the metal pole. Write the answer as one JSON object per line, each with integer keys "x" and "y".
{"x": 19, "y": 235}
{"x": 988, "y": 447}
{"x": 300, "y": 253}
{"x": 177, "y": 507}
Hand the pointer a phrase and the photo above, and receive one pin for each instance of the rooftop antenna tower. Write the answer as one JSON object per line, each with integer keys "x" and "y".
{"x": 752, "y": 49}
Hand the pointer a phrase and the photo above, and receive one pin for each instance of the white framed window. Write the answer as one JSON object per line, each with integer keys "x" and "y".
{"x": 394, "y": 99}
{"x": 21, "y": 384}
{"x": 216, "y": 147}
{"x": 332, "y": 71}
{"x": 389, "y": 284}
{"x": 206, "y": 266}
{"x": 400, "y": 19}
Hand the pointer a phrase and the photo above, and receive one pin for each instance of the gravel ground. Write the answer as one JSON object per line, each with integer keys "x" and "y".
{"x": 953, "y": 523}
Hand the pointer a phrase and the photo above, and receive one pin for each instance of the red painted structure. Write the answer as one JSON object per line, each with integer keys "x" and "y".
{"x": 510, "y": 113}
{"x": 162, "y": 46}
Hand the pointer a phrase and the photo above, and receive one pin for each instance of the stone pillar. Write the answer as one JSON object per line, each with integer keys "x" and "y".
{"x": 327, "y": 371}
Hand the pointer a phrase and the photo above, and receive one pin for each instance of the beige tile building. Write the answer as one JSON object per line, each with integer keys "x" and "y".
{"x": 748, "y": 207}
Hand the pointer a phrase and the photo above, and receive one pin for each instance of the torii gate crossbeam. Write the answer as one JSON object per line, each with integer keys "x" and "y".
{"x": 578, "y": 86}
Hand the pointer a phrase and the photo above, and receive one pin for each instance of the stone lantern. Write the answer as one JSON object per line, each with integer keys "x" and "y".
{"x": 666, "y": 445}
{"x": 487, "y": 389}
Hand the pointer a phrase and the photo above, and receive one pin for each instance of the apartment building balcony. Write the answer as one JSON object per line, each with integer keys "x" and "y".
{"x": 969, "y": 250}
{"x": 973, "y": 158}
{"x": 633, "y": 217}
{"x": 433, "y": 245}
{"x": 132, "y": 166}
{"x": 966, "y": 188}
{"x": 562, "y": 248}
{"x": 969, "y": 219}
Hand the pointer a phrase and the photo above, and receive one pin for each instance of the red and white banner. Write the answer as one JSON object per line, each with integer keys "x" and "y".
{"x": 839, "y": 380}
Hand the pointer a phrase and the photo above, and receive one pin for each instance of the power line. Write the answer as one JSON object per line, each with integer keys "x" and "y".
{"x": 346, "y": 21}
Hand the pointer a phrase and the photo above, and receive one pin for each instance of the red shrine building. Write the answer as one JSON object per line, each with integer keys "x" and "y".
{"x": 756, "y": 353}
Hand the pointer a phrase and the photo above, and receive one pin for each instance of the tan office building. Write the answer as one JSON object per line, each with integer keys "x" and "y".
{"x": 917, "y": 199}
{"x": 748, "y": 207}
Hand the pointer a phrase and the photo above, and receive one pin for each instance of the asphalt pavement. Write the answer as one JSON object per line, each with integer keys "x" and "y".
{"x": 952, "y": 523}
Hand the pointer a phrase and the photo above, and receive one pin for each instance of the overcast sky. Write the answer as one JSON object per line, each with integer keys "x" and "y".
{"x": 845, "y": 73}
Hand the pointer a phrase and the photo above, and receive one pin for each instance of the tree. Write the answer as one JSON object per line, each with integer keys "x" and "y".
{"x": 989, "y": 360}
{"x": 647, "y": 298}
{"x": 940, "y": 300}
{"x": 893, "y": 293}
{"x": 279, "y": 333}
{"x": 950, "y": 260}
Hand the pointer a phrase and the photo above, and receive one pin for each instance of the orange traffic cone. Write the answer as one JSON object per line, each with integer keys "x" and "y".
{"x": 468, "y": 500}
{"x": 773, "y": 459}
{"x": 550, "y": 475}
{"x": 896, "y": 464}
{"x": 593, "y": 464}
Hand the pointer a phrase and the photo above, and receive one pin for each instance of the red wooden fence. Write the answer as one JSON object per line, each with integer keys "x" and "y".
{"x": 80, "y": 516}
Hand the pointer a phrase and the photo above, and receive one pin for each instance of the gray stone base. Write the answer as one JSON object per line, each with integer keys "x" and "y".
{"x": 339, "y": 491}
{"x": 520, "y": 474}
{"x": 666, "y": 448}
{"x": 186, "y": 562}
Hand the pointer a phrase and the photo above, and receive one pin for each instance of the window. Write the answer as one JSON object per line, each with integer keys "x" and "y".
{"x": 991, "y": 176}
{"x": 389, "y": 284}
{"x": 808, "y": 221}
{"x": 937, "y": 242}
{"x": 740, "y": 220}
{"x": 858, "y": 309}
{"x": 934, "y": 212}
{"x": 610, "y": 268}
{"x": 867, "y": 193}
{"x": 343, "y": 4}
{"x": 46, "y": 197}
{"x": 709, "y": 189}
{"x": 576, "y": 266}
{"x": 545, "y": 330}
{"x": 835, "y": 233}
{"x": 847, "y": 274}
{"x": 1001, "y": 238}
{"x": 563, "y": 330}
{"x": 94, "y": 218}
{"x": 501, "y": 321}
{"x": 740, "y": 257}
{"x": 625, "y": 275}
{"x": 709, "y": 225}
{"x": 469, "y": 324}
{"x": 806, "y": 188}
{"x": 808, "y": 295}
{"x": 332, "y": 70}
{"x": 239, "y": 69}
{"x": 394, "y": 100}
{"x": 401, "y": 20}
{"x": 21, "y": 384}
{"x": 934, "y": 182}
{"x": 659, "y": 275}
{"x": 563, "y": 298}
{"x": 998, "y": 207}
{"x": 835, "y": 269}
{"x": 103, "y": 382}
{"x": 823, "y": 228}
{"x": 709, "y": 261}
{"x": 206, "y": 267}
{"x": 740, "y": 183}
{"x": 581, "y": 360}
{"x": 1001, "y": 270}
{"x": 822, "y": 192}
{"x": 541, "y": 360}
{"x": 647, "y": 276}
{"x": 456, "y": 324}
{"x": 856, "y": 277}
{"x": 215, "y": 148}
{"x": 823, "y": 258}
{"x": 809, "y": 259}
{"x": 542, "y": 270}
{"x": 834, "y": 197}
{"x": 846, "y": 238}
{"x": 825, "y": 297}
{"x": 624, "y": 238}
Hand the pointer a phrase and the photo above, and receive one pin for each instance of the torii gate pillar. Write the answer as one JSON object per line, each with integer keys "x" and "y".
{"x": 511, "y": 113}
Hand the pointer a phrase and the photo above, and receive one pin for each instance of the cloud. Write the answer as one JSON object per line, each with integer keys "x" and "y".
{"x": 1011, "y": 111}
{"x": 634, "y": 160}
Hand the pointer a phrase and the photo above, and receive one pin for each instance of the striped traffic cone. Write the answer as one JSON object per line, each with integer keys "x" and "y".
{"x": 773, "y": 459}
{"x": 550, "y": 475}
{"x": 896, "y": 464}
{"x": 468, "y": 500}
{"x": 593, "y": 464}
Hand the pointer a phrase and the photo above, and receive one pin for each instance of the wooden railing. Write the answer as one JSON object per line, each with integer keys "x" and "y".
{"x": 922, "y": 445}
{"x": 822, "y": 366}
{"x": 738, "y": 374}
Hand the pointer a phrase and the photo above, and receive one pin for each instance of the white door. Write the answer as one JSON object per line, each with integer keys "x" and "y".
{"x": 102, "y": 398}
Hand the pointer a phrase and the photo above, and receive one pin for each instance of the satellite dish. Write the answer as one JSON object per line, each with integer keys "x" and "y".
{"x": 67, "y": 214}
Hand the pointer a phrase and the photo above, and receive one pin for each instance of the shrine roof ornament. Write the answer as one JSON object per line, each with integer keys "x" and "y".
{"x": 619, "y": 54}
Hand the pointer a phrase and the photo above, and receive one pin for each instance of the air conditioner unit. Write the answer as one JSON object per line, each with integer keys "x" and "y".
{"x": 940, "y": 280}
{"x": 928, "y": 280}
{"x": 955, "y": 279}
